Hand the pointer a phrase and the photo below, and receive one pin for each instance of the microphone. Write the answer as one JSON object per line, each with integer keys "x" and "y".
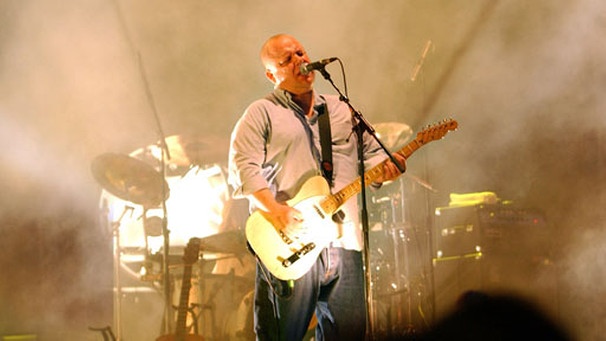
{"x": 320, "y": 64}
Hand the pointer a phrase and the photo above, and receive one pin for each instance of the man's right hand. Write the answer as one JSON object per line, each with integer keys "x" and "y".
{"x": 279, "y": 214}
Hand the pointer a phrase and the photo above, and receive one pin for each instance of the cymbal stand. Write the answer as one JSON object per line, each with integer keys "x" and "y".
{"x": 410, "y": 329}
{"x": 397, "y": 223}
{"x": 117, "y": 282}
{"x": 416, "y": 242}
{"x": 165, "y": 232}
{"x": 162, "y": 140}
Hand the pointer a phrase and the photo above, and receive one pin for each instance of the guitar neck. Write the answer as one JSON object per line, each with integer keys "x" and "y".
{"x": 184, "y": 301}
{"x": 332, "y": 203}
{"x": 190, "y": 256}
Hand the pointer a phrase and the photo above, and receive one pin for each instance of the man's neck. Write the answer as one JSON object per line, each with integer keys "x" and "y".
{"x": 305, "y": 101}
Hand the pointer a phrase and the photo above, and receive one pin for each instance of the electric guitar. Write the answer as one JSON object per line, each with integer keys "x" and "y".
{"x": 290, "y": 252}
{"x": 190, "y": 256}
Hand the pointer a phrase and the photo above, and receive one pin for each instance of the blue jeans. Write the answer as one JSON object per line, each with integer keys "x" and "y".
{"x": 333, "y": 288}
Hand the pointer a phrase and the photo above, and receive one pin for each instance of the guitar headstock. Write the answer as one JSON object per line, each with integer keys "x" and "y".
{"x": 192, "y": 251}
{"x": 436, "y": 131}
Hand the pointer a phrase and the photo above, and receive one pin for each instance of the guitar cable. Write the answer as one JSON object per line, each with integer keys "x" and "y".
{"x": 290, "y": 285}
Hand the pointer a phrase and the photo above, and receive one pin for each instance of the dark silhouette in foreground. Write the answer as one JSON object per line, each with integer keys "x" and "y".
{"x": 500, "y": 317}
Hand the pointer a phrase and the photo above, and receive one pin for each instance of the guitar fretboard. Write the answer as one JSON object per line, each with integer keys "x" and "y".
{"x": 190, "y": 256}
{"x": 184, "y": 301}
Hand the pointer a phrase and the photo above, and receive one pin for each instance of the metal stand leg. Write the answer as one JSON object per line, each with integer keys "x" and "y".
{"x": 117, "y": 281}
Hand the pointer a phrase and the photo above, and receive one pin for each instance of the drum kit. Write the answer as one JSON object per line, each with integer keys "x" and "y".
{"x": 157, "y": 198}
{"x": 149, "y": 203}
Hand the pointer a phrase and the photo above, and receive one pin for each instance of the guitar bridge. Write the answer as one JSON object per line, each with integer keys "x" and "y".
{"x": 298, "y": 254}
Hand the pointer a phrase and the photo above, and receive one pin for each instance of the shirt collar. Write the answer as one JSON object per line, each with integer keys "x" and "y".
{"x": 285, "y": 98}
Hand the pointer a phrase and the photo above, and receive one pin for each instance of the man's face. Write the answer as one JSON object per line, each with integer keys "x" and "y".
{"x": 283, "y": 58}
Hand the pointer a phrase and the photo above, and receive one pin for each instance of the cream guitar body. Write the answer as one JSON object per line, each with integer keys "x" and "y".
{"x": 290, "y": 253}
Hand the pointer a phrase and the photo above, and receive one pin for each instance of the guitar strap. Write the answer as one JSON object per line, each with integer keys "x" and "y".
{"x": 326, "y": 144}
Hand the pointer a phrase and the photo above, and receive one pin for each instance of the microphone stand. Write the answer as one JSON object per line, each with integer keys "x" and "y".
{"x": 165, "y": 231}
{"x": 164, "y": 148}
{"x": 359, "y": 128}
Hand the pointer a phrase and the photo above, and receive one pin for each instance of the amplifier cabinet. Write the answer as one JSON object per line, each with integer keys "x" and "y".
{"x": 495, "y": 229}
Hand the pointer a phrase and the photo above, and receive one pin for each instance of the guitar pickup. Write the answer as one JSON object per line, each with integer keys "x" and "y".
{"x": 284, "y": 237}
{"x": 298, "y": 254}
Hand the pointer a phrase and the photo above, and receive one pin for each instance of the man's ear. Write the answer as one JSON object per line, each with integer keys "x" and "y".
{"x": 270, "y": 76}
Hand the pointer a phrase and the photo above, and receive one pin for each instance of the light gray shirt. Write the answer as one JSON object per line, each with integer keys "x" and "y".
{"x": 274, "y": 145}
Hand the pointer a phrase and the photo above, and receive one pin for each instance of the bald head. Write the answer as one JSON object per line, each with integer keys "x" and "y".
{"x": 271, "y": 49}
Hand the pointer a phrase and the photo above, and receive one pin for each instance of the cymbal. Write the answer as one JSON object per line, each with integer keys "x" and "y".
{"x": 187, "y": 150}
{"x": 130, "y": 179}
{"x": 225, "y": 242}
{"x": 393, "y": 134}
